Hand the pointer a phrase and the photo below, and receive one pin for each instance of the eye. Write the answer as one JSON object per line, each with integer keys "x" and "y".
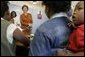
{"x": 80, "y": 8}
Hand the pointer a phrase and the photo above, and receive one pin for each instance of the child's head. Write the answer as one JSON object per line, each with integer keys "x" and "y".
{"x": 78, "y": 16}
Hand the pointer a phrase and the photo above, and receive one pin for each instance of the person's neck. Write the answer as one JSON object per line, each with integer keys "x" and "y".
{"x": 25, "y": 13}
{"x": 79, "y": 24}
{"x": 60, "y": 14}
{"x": 6, "y": 18}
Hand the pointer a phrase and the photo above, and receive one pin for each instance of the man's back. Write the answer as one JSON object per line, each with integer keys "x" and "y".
{"x": 50, "y": 36}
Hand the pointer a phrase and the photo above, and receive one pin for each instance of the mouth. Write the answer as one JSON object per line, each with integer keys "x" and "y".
{"x": 73, "y": 18}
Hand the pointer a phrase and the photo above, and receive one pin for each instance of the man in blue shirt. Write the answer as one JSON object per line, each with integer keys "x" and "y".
{"x": 53, "y": 34}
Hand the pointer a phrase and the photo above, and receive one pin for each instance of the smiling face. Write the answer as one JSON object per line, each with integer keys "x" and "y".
{"x": 78, "y": 15}
{"x": 25, "y": 8}
{"x": 13, "y": 14}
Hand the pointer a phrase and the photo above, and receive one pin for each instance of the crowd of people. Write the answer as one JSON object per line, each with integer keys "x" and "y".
{"x": 58, "y": 36}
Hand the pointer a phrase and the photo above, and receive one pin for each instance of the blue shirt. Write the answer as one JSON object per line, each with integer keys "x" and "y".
{"x": 50, "y": 37}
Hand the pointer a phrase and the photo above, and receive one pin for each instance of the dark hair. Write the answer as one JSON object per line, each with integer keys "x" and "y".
{"x": 58, "y": 6}
{"x": 24, "y": 6}
{"x": 4, "y": 7}
{"x": 13, "y": 12}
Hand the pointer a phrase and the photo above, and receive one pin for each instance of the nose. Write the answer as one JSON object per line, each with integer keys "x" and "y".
{"x": 74, "y": 12}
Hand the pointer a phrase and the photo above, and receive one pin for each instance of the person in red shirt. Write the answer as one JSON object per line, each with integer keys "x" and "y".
{"x": 76, "y": 41}
{"x": 26, "y": 20}
{"x": 75, "y": 46}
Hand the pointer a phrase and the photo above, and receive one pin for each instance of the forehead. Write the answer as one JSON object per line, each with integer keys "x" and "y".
{"x": 25, "y": 7}
{"x": 80, "y": 4}
{"x": 13, "y": 12}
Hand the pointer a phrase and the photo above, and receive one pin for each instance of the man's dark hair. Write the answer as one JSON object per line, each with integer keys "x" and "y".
{"x": 57, "y": 6}
{"x": 4, "y": 7}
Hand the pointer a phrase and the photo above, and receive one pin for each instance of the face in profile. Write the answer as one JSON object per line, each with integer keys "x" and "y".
{"x": 7, "y": 15}
{"x": 78, "y": 15}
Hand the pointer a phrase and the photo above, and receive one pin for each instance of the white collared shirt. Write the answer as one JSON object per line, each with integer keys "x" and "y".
{"x": 59, "y": 15}
{"x": 9, "y": 33}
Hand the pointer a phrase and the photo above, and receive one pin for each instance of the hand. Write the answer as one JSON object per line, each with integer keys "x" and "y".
{"x": 18, "y": 24}
{"x": 71, "y": 24}
{"x": 61, "y": 53}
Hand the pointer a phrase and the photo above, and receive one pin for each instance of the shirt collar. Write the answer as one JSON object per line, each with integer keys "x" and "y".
{"x": 2, "y": 19}
{"x": 59, "y": 15}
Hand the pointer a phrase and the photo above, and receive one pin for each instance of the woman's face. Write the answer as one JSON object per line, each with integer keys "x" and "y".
{"x": 13, "y": 14}
{"x": 25, "y": 9}
{"x": 78, "y": 16}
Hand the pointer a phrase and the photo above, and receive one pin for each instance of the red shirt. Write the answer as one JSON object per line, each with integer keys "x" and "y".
{"x": 76, "y": 41}
{"x": 26, "y": 19}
